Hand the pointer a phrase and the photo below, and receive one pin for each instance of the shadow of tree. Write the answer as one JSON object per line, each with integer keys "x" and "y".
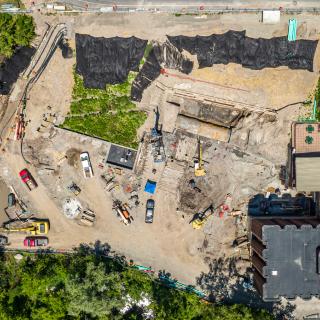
{"x": 225, "y": 284}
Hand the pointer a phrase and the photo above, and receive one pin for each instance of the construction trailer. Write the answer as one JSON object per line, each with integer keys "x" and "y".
{"x": 285, "y": 256}
{"x": 122, "y": 157}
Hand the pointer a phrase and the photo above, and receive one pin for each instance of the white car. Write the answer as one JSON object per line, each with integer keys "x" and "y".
{"x": 86, "y": 165}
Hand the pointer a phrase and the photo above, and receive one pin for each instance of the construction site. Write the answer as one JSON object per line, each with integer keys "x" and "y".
{"x": 215, "y": 132}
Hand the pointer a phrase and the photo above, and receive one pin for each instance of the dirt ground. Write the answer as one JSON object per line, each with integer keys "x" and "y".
{"x": 239, "y": 168}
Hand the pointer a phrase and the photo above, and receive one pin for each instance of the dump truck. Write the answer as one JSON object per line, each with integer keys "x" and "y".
{"x": 34, "y": 227}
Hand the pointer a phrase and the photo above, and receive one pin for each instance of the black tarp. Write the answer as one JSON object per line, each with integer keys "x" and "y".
{"x": 104, "y": 61}
{"x": 161, "y": 55}
{"x": 66, "y": 51}
{"x": 11, "y": 68}
{"x": 236, "y": 47}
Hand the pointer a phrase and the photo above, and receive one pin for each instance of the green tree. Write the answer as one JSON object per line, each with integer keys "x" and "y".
{"x": 97, "y": 294}
{"x": 88, "y": 286}
{"x": 15, "y": 30}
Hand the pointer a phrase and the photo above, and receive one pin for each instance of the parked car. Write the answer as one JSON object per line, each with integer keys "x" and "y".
{"x": 11, "y": 200}
{"x": 149, "y": 211}
{"x": 28, "y": 179}
{"x": 35, "y": 241}
{"x": 86, "y": 165}
{"x": 3, "y": 240}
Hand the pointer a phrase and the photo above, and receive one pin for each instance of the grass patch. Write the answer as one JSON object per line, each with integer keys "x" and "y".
{"x": 108, "y": 114}
{"x": 15, "y": 2}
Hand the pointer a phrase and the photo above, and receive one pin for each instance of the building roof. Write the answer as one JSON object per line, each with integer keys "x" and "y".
{"x": 307, "y": 173}
{"x": 291, "y": 263}
{"x": 306, "y": 137}
{"x": 121, "y": 156}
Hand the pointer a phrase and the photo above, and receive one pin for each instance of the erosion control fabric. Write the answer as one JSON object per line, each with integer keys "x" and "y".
{"x": 236, "y": 47}
{"x": 10, "y": 70}
{"x": 103, "y": 61}
{"x": 160, "y": 56}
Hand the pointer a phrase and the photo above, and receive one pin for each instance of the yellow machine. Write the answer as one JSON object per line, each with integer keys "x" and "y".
{"x": 198, "y": 164}
{"x": 33, "y": 227}
{"x": 200, "y": 219}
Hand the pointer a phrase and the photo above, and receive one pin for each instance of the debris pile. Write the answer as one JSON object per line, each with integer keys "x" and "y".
{"x": 71, "y": 208}
{"x": 103, "y": 61}
{"x": 236, "y": 47}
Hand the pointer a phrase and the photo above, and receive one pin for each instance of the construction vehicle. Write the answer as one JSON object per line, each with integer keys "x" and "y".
{"x": 122, "y": 212}
{"x": 198, "y": 163}
{"x": 74, "y": 188}
{"x": 157, "y": 145}
{"x": 34, "y": 227}
{"x": 200, "y": 218}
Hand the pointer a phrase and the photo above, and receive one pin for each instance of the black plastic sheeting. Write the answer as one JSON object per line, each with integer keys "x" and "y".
{"x": 161, "y": 55}
{"x": 11, "y": 68}
{"x": 236, "y": 47}
{"x": 104, "y": 61}
{"x": 66, "y": 51}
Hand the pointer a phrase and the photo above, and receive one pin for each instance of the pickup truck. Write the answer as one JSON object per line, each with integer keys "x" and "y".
{"x": 86, "y": 165}
{"x": 27, "y": 178}
{"x": 35, "y": 241}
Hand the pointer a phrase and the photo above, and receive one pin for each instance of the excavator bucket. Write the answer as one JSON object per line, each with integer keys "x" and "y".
{"x": 199, "y": 172}
{"x": 197, "y": 224}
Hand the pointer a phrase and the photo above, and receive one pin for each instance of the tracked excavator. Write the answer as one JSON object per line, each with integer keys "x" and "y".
{"x": 200, "y": 218}
{"x": 34, "y": 227}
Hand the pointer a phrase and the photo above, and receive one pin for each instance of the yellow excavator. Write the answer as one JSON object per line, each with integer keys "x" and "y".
{"x": 34, "y": 227}
{"x": 198, "y": 163}
{"x": 199, "y": 219}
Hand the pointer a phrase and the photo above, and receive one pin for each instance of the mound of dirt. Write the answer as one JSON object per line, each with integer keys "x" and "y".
{"x": 236, "y": 47}
{"x": 73, "y": 156}
{"x": 104, "y": 61}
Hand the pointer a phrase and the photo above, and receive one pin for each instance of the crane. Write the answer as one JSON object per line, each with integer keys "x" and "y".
{"x": 38, "y": 227}
{"x": 198, "y": 163}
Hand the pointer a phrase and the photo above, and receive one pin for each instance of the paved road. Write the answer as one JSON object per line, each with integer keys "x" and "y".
{"x": 194, "y": 5}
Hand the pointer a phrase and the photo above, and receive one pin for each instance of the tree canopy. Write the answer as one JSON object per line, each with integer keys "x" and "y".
{"x": 87, "y": 286}
{"x": 15, "y": 30}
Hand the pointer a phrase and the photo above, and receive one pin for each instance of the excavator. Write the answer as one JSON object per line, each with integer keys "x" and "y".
{"x": 34, "y": 227}
{"x": 198, "y": 163}
{"x": 200, "y": 218}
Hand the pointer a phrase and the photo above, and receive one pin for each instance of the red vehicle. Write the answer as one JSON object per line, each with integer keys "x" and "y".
{"x": 28, "y": 179}
{"x": 35, "y": 241}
